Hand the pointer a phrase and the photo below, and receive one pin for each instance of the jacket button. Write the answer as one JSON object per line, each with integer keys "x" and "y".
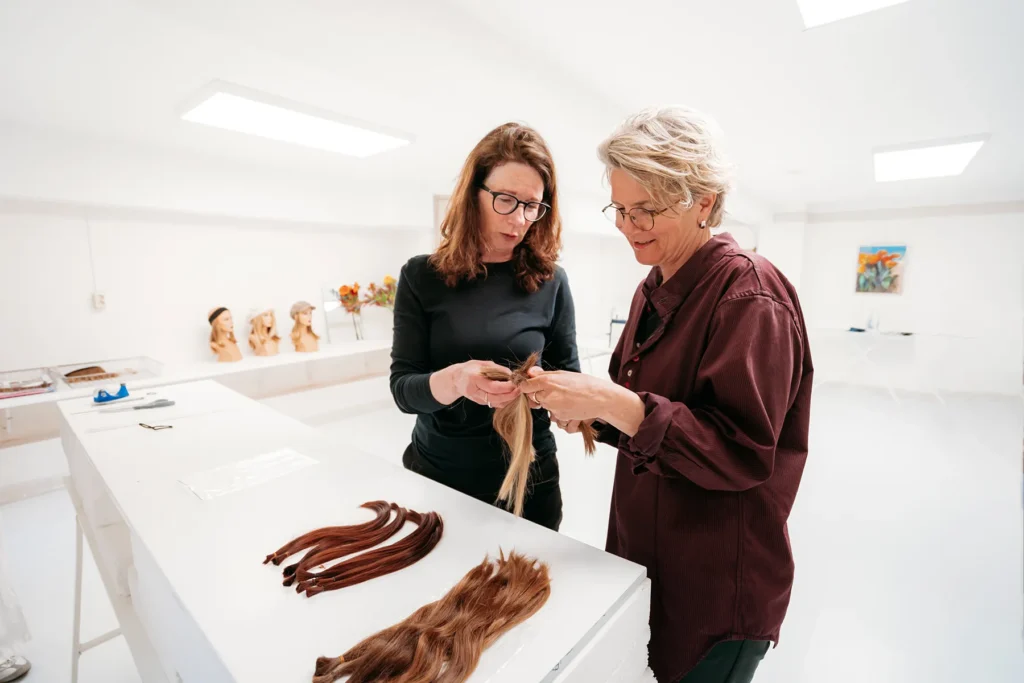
{"x": 629, "y": 373}
{"x": 627, "y": 385}
{"x": 637, "y": 359}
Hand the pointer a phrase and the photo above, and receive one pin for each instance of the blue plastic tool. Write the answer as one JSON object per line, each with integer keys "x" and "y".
{"x": 102, "y": 396}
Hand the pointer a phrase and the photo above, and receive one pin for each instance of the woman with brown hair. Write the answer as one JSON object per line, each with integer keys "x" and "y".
{"x": 487, "y": 298}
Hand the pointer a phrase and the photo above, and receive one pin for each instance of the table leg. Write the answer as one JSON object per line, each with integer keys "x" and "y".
{"x": 76, "y": 651}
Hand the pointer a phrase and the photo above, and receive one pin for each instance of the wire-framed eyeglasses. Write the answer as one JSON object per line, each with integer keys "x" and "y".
{"x": 505, "y": 204}
{"x": 643, "y": 219}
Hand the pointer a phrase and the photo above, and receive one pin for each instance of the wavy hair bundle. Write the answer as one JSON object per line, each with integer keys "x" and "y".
{"x": 314, "y": 574}
{"x": 514, "y": 424}
{"x": 442, "y": 642}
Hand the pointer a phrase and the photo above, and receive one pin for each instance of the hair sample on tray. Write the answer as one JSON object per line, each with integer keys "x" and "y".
{"x": 314, "y": 574}
{"x": 443, "y": 641}
{"x": 514, "y": 424}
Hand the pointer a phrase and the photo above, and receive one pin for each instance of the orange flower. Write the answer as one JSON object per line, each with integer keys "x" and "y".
{"x": 875, "y": 258}
{"x": 860, "y": 268}
{"x": 890, "y": 263}
{"x": 345, "y": 290}
{"x": 355, "y": 288}
{"x": 863, "y": 258}
{"x": 882, "y": 252}
{"x": 388, "y": 280}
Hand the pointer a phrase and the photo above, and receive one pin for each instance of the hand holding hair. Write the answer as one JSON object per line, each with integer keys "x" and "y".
{"x": 514, "y": 423}
{"x": 568, "y": 396}
{"x": 482, "y": 382}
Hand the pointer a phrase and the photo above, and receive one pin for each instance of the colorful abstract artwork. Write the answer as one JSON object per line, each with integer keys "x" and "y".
{"x": 880, "y": 269}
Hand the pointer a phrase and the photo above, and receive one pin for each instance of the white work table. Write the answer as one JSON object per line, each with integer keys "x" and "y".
{"x": 196, "y": 604}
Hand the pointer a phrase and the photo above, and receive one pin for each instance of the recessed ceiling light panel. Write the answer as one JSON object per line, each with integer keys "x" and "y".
{"x": 230, "y": 108}
{"x": 819, "y": 12}
{"x": 932, "y": 160}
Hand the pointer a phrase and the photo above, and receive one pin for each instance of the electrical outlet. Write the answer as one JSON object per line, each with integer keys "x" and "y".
{"x": 99, "y": 301}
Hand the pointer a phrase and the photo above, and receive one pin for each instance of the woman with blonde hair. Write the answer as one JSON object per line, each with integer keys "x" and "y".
{"x": 486, "y": 299}
{"x": 708, "y": 405}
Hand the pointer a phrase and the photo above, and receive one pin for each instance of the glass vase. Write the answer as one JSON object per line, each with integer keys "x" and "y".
{"x": 357, "y": 324}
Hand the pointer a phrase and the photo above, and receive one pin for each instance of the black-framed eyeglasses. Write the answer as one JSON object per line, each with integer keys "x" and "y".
{"x": 643, "y": 219}
{"x": 504, "y": 203}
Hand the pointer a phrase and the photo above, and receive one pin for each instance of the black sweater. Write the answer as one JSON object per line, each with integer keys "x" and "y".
{"x": 489, "y": 318}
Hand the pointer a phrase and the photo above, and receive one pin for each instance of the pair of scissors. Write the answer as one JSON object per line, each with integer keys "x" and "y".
{"x": 159, "y": 403}
{"x": 156, "y": 428}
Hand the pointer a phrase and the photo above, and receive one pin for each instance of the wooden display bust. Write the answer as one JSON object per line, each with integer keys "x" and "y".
{"x": 303, "y": 336}
{"x": 263, "y": 336}
{"x": 222, "y": 335}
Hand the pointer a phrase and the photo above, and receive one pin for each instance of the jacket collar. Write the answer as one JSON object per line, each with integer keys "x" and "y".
{"x": 667, "y": 296}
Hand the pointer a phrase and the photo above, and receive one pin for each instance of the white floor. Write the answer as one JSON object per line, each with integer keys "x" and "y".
{"x": 908, "y": 533}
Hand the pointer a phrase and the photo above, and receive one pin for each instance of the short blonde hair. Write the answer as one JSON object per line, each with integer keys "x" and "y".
{"x": 674, "y": 153}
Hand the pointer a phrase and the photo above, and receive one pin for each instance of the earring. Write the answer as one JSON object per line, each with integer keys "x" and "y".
{"x": 703, "y": 224}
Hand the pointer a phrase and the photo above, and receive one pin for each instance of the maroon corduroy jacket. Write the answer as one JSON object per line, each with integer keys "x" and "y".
{"x": 703, "y": 490}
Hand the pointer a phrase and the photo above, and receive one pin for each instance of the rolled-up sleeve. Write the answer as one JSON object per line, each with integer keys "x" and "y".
{"x": 725, "y": 438}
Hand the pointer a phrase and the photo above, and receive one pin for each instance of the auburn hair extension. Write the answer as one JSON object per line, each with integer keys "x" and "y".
{"x": 380, "y": 561}
{"x": 514, "y": 424}
{"x": 457, "y": 259}
{"x": 382, "y": 508}
{"x": 443, "y": 641}
{"x": 329, "y": 544}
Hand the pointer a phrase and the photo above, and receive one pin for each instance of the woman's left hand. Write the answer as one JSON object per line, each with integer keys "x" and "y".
{"x": 567, "y": 395}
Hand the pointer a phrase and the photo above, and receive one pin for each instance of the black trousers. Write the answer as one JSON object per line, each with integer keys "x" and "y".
{"x": 733, "y": 661}
{"x": 542, "y": 505}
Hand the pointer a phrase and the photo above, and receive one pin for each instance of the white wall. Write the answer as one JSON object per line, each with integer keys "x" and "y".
{"x": 56, "y": 167}
{"x": 964, "y": 275}
{"x": 963, "y": 295}
{"x": 603, "y": 275}
{"x": 161, "y": 272}
{"x": 782, "y": 243}
{"x": 161, "y": 278}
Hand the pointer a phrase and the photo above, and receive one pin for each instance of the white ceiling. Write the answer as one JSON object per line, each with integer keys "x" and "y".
{"x": 802, "y": 109}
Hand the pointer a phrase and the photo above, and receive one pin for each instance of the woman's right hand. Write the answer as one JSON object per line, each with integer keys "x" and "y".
{"x": 467, "y": 380}
{"x": 572, "y": 426}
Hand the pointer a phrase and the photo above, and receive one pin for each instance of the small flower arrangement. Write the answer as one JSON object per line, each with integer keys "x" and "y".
{"x": 349, "y": 297}
{"x": 383, "y": 296}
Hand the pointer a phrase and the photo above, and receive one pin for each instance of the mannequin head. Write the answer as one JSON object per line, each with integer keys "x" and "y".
{"x": 264, "y": 324}
{"x": 222, "y": 326}
{"x": 302, "y": 314}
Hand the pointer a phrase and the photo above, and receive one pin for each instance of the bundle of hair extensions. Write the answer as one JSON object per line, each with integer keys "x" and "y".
{"x": 514, "y": 425}
{"x": 443, "y": 641}
{"x": 314, "y": 574}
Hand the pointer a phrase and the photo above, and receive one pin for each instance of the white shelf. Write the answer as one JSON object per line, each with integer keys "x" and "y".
{"x": 176, "y": 374}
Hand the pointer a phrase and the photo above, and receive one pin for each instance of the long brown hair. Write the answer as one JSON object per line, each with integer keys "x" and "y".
{"x": 514, "y": 424}
{"x": 442, "y": 642}
{"x": 458, "y": 257}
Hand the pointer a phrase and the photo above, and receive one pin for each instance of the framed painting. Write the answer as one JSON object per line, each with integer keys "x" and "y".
{"x": 880, "y": 270}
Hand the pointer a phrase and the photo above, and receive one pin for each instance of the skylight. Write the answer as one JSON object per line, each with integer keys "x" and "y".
{"x": 930, "y": 161}
{"x": 243, "y": 114}
{"x": 819, "y": 12}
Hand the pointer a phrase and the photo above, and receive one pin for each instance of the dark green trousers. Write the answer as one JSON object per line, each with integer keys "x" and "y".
{"x": 733, "y": 661}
